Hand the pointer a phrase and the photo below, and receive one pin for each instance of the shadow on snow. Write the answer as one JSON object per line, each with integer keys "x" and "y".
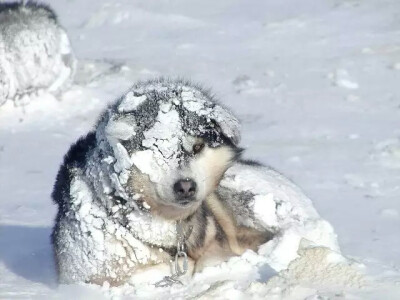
{"x": 27, "y": 252}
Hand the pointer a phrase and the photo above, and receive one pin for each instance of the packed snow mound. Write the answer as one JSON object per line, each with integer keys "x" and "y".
{"x": 35, "y": 52}
{"x": 282, "y": 208}
{"x": 316, "y": 268}
{"x": 320, "y": 266}
{"x": 249, "y": 277}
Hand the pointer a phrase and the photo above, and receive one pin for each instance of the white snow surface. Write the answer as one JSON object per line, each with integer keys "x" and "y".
{"x": 316, "y": 88}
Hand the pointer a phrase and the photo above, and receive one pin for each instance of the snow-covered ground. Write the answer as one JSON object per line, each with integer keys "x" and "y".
{"x": 316, "y": 85}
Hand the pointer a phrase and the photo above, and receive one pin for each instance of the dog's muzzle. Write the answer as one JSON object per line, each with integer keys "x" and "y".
{"x": 185, "y": 190}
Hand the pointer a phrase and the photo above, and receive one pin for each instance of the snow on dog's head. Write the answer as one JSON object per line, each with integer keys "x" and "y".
{"x": 172, "y": 143}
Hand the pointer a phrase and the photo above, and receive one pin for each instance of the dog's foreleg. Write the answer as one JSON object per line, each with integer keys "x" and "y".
{"x": 225, "y": 220}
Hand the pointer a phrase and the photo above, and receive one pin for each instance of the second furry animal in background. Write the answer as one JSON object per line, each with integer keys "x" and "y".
{"x": 35, "y": 52}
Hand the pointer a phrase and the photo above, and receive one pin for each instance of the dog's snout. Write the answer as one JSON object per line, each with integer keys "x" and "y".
{"x": 185, "y": 188}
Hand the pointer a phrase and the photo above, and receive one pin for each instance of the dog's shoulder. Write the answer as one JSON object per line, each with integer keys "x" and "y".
{"x": 250, "y": 162}
{"x": 75, "y": 158}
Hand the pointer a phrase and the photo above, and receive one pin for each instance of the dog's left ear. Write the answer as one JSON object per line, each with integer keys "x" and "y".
{"x": 229, "y": 124}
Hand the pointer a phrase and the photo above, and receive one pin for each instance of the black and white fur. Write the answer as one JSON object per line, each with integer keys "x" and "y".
{"x": 121, "y": 188}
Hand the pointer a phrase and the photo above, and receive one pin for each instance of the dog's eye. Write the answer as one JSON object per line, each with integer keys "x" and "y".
{"x": 198, "y": 147}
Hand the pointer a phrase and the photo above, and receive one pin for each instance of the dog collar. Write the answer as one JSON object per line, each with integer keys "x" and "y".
{"x": 180, "y": 269}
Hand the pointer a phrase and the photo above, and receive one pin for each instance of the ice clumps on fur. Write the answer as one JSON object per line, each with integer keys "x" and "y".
{"x": 35, "y": 52}
{"x": 108, "y": 229}
{"x": 156, "y": 106}
{"x": 149, "y": 116}
{"x": 141, "y": 134}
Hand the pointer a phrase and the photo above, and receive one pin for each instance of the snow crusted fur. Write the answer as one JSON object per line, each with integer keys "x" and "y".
{"x": 107, "y": 227}
{"x": 35, "y": 51}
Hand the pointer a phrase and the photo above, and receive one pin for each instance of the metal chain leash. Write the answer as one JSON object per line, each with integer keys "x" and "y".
{"x": 180, "y": 270}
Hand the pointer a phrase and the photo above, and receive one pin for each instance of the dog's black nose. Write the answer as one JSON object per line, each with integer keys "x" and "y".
{"x": 185, "y": 188}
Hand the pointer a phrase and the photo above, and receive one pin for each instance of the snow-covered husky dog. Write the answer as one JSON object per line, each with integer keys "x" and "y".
{"x": 155, "y": 158}
{"x": 35, "y": 52}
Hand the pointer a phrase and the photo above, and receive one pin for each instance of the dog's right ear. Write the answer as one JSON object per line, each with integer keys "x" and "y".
{"x": 228, "y": 123}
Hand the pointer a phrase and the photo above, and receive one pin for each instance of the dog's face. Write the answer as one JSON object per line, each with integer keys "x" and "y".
{"x": 184, "y": 183}
{"x": 179, "y": 151}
